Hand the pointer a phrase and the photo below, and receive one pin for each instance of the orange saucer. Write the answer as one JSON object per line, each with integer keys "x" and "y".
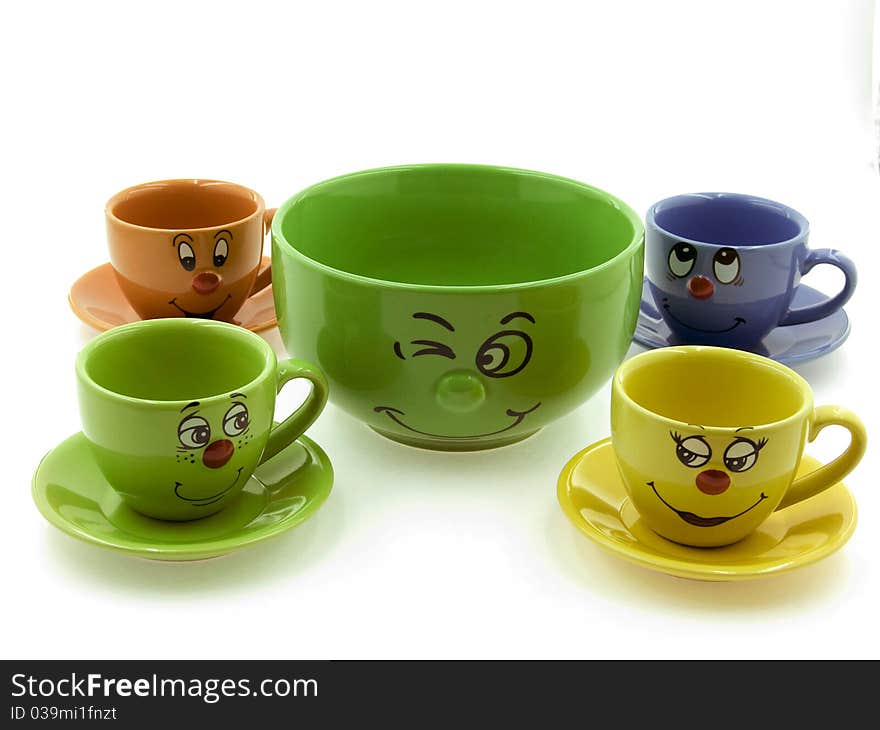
{"x": 98, "y": 301}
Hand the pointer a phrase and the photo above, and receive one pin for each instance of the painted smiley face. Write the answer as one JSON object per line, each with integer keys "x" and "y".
{"x": 205, "y": 254}
{"x": 462, "y": 388}
{"x": 702, "y": 270}
{"x": 740, "y": 454}
{"x": 212, "y": 443}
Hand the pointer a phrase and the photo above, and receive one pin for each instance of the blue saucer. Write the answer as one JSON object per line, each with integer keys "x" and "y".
{"x": 788, "y": 345}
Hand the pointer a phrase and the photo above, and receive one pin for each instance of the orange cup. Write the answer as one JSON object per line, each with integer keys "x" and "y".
{"x": 188, "y": 248}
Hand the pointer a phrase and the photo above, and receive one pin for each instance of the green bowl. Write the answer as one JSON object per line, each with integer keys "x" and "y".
{"x": 457, "y": 307}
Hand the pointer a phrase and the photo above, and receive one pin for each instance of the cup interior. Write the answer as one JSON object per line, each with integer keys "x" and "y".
{"x": 457, "y": 225}
{"x": 706, "y": 388}
{"x": 728, "y": 220}
{"x": 184, "y": 204}
{"x": 175, "y": 360}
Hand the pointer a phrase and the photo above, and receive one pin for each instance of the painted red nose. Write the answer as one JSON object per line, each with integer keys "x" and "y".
{"x": 205, "y": 282}
{"x": 700, "y": 287}
{"x": 217, "y": 454}
{"x": 712, "y": 481}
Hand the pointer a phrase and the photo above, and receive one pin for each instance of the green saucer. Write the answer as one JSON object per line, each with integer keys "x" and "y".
{"x": 72, "y": 494}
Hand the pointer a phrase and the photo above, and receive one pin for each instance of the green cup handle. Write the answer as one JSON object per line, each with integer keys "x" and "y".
{"x": 286, "y": 432}
{"x": 816, "y": 481}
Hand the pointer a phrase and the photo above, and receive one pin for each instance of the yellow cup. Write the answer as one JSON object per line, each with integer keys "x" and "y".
{"x": 708, "y": 440}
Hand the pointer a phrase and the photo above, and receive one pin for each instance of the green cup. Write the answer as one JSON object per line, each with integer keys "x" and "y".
{"x": 178, "y": 412}
{"x": 458, "y": 307}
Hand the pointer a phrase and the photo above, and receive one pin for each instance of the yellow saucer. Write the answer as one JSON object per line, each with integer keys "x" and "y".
{"x": 593, "y": 497}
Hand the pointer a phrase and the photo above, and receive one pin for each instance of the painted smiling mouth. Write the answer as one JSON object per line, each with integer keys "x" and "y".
{"x": 209, "y": 314}
{"x": 205, "y": 501}
{"x": 518, "y": 417}
{"x": 737, "y": 321}
{"x": 697, "y": 520}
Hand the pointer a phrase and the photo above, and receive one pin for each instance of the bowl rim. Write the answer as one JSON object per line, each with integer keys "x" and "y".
{"x": 118, "y": 197}
{"x": 645, "y": 359}
{"x": 637, "y": 241}
{"x": 157, "y": 327}
{"x": 791, "y": 213}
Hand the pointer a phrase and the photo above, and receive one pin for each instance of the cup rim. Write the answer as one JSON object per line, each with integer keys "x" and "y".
{"x": 795, "y": 215}
{"x": 634, "y": 244}
{"x": 619, "y": 390}
{"x": 117, "y": 197}
{"x": 172, "y": 323}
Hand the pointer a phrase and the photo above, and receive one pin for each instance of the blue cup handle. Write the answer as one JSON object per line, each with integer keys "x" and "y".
{"x": 832, "y": 304}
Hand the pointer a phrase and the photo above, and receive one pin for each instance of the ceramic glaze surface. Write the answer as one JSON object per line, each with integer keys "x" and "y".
{"x": 178, "y": 413}
{"x": 790, "y": 344}
{"x": 595, "y": 500}
{"x": 457, "y": 307}
{"x": 723, "y": 268}
{"x": 99, "y": 302}
{"x": 187, "y": 248}
{"x": 72, "y": 494}
{"x": 708, "y": 441}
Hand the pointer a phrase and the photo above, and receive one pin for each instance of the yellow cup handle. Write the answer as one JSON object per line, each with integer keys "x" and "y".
{"x": 811, "y": 484}
{"x": 264, "y": 278}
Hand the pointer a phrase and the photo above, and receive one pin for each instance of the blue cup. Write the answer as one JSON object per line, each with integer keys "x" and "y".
{"x": 723, "y": 268}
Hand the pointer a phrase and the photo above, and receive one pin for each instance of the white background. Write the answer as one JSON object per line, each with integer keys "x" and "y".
{"x": 418, "y": 554}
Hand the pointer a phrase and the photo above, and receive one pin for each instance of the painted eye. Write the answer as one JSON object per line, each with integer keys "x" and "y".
{"x": 742, "y": 454}
{"x": 236, "y": 420}
{"x": 221, "y": 252}
{"x": 186, "y": 255}
{"x": 726, "y": 265}
{"x": 692, "y": 451}
{"x": 194, "y": 432}
{"x": 504, "y": 354}
{"x": 682, "y": 258}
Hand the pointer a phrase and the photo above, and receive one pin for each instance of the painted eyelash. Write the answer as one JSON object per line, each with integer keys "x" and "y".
{"x": 679, "y": 439}
{"x": 433, "y": 348}
{"x": 758, "y": 445}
